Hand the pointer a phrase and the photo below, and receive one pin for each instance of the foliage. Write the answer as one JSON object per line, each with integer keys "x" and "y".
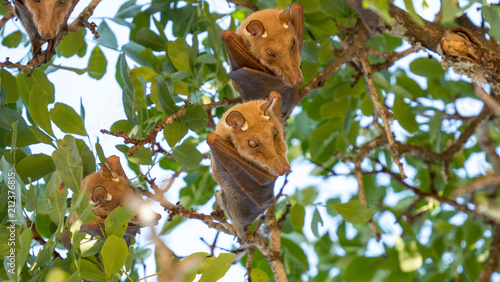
{"x": 175, "y": 62}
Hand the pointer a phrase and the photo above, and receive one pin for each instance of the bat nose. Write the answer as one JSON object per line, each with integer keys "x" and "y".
{"x": 284, "y": 168}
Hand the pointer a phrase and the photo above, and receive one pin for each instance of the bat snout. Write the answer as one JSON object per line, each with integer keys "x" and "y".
{"x": 281, "y": 168}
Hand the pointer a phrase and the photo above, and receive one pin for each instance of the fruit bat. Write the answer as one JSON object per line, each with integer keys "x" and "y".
{"x": 248, "y": 154}
{"x": 108, "y": 189}
{"x": 43, "y": 19}
{"x": 264, "y": 54}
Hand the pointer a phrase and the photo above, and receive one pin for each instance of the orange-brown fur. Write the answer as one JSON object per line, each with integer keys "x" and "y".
{"x": 50, "y": 15}
{"x": 279, "y": 49}
{"x": 271, "y": 152}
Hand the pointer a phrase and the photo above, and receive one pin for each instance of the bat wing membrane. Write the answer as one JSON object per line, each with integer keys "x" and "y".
{"x": 257, "y": 183}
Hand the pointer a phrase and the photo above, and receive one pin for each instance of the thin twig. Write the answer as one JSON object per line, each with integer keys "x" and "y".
{"x": 138, "y": 143}
{"x": 370, "y": 85}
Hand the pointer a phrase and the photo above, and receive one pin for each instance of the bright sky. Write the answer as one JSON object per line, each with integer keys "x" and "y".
{"x": 103, "y": 105}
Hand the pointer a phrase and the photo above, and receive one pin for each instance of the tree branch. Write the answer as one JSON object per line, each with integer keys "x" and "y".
{"x": 247, "y": 3}
{"x": 370, "y": 88}
{"x": 151, "y": 138}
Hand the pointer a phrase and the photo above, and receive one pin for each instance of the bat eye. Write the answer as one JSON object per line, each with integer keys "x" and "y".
{"x": 293, "y": 43}
{"x": 252, "y": 144}
{"x": 275, "y": 132}
{"x": 270, "y": 53}
{"x": 61, "y": 2}
{"x": 36, "y": 1}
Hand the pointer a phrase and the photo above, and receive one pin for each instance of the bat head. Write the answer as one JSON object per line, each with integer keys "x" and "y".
{"x": 272, "y": 38}
{"x": 49, "y": 15}
{"x": 256, "y": 131}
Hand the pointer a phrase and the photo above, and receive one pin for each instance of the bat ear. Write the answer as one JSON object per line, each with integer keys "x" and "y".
{"x": 236, "y": 120}
{"x": 285, "y": 15}
{"x": 100, "y": 194}
{"x": 273, "y": 103}
{"x": 256, "y": 28}
{"x": 106, "y": 172}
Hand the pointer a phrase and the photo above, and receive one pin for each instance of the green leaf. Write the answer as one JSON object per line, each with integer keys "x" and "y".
{"x": 166, "y": 98}
{"x": 409, "y": 257}
{"x": 72, "y": 43}
{"x": 297, "y": 216}
{"x": 259, "y": 275}
{"x": 315, "y": 222}
{"x": 113, "y": 254}
{"x": 117, "y": 221}
{"x": 195, "y": 118}
{"x": 106, "y": 36}
{"x": 9, "y": 84}
{"x": 326, "y": 129}
{"x": 411, "y": 10}
{"x": 141, "y": 157}
{"x": 97, "y": 64}
{"x": 335, "y": 8}
{"x": 39, "y": 78}
{"x": 405, "y": 115}
{"x": 218, "y": 268}
{"x": 355, "y": 212}
{"x": 174, "y": 132}
{"x": 361, "y": 269}
{"x": 68, "y": 162}
{"x": 66, "y": 118}
{"x": 178, "y": 53}
{"x": 35, "y": 167}
{"x": 187, "y": 155}
{"x": 39, "y": 100}
{"x": 12, "y": 40}
{"x": 148, "y": 38}
{"x": 90, "y": 271}
{"x": 426, "y": 67}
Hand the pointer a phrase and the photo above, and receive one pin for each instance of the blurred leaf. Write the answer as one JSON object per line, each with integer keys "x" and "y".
{"x": 39, "y": 99}
{"x": 141, "y": 156}
{"x": 426, "y": 67}
{"x": 35, "y": 167}
{"x": 97, "y": 64}
{"x": 195, "y": 118}
{"x": 148, "y": 38}
{"x": 361, "y": 269}
{"x": 12, "y": 40}
{"x": 404, "y": 114}
{"x": 68, "y": 162}
{"x": 71, "y": 44}
{"x": 297, "y": 216}
{"x": 117, "y": 221}
{"x": 335, "y": 8}
{"x": 178, "y": 52}
{"x": 409, "y": 256}
{"x": 218, "y": 268}
{"x": 67, "y": 119}
{"x": 187, "y": 155}
{"x": 315, "y": 222}
{"x": 355, "y": 212}
{"x": 106, "y": 36}
{"x": 113, "y": 254}
{"x": 174, "y": 132}
{"x": 9, "y": 84}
